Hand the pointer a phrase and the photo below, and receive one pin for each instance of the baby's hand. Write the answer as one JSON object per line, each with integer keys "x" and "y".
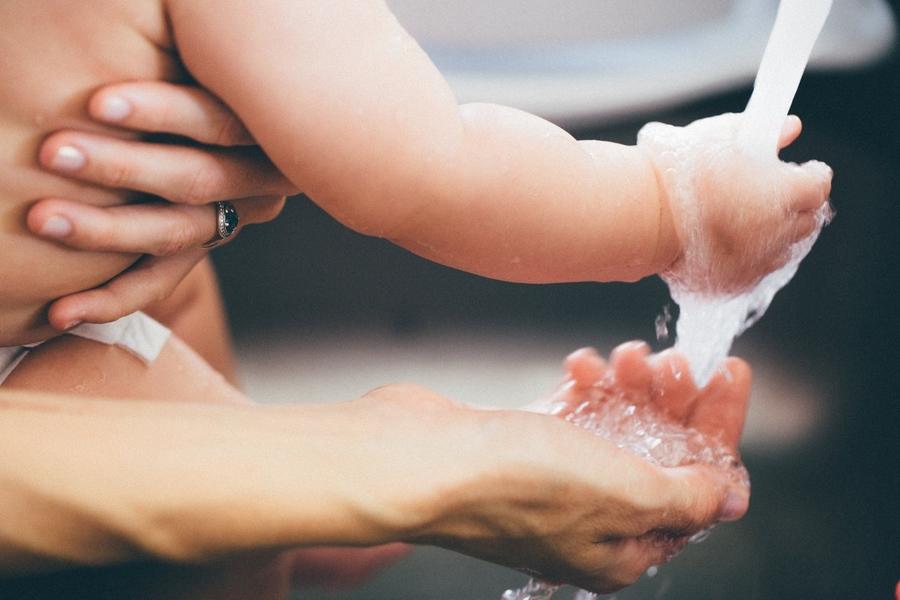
{"x": 736, "y": 213}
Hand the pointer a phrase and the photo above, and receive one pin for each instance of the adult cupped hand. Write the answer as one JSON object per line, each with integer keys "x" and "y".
{"x": 213, "y": 159}
{"x": 542, "y": 495}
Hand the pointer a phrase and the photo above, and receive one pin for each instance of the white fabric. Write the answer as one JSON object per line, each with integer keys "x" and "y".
{"x": 137, "y": 333}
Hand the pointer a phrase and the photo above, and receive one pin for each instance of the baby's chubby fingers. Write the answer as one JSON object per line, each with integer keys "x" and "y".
{"x": 806, "y": 187}
{"x": 179, "y": 173}
{"x": 792, "y": 129}
{"x": 156, "y": 228}
{"x": 160, "y": 107}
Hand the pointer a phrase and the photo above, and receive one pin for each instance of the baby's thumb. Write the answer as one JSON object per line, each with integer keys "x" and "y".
{"x": 807, "y": 187}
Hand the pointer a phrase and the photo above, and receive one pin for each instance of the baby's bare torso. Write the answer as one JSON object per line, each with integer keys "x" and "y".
{"x": 53, "y": 55}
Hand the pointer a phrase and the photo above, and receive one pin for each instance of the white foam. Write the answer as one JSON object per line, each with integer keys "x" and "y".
{"x": 710, "y": 319}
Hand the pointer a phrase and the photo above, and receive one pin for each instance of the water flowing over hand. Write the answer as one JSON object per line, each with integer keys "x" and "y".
{"x": 745, "y": 219}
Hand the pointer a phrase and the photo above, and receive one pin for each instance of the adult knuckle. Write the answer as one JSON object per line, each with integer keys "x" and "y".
{"x": 697, "y": 512}
{"x": 270, "y": 209}
{"x": 103, "y": 236}
{"x": 612, "y": 580}
{"x": 202, "y": 186}
{"x": 627, "y": 577}
{"x": 161, "y": 119}
{"x": 112, "y": 306}
{"x": 229, "y": 132}
{"x": 177, "y": 240}
{"x": 117, "y": 174}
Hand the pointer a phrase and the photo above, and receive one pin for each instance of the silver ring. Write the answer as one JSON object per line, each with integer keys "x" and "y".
{"x": 227, "y": 221}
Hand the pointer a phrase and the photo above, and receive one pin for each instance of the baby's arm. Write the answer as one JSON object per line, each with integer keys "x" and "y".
{"x": 359, "y": 118}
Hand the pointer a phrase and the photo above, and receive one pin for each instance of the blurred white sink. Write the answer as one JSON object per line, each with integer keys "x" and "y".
{"x": 502, "y": 23}
{"x": 499, "y": 369}
{"x": 577, "y": 61}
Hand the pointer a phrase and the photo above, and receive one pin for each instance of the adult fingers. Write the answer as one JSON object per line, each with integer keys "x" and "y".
{"x": 585, "y": 367}
{"x": 694, "y": 498}
{"x": 675, "y": 391}
{"x": 156, "y": 228}
{"x": 150, "y": 280}
{"x": 629, "y": 362}
{"x": 160, "y": 107}
{"x": 721, "y": 408}
{"x": 676, "y": 502}
{"x": 182, "y": 174}
{"x": 631, "y": 557}
{"x": 612, "y": 565}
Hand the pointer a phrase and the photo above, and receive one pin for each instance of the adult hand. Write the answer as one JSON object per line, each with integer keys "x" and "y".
{"x": 537, "y": 493}
{"x": 216, "y": 159}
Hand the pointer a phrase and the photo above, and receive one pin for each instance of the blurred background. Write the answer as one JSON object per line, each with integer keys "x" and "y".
{"x": 322, "y": 314}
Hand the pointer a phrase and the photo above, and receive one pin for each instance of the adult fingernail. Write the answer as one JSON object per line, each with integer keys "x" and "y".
{"x": 735, "y": 507}
{"x": 56, "y": 227}
{"x": 68, "y": 158}
{"x": 114, "y": 108}
{"x": 72, "y": 325}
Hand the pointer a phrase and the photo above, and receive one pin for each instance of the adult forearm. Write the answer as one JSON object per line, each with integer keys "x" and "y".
{"x": 95, "y": 482}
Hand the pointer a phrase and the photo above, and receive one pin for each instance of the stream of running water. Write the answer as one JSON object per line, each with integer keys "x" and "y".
{"x": 709, "y": 321}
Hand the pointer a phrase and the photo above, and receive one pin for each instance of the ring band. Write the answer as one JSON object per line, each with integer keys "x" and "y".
{"x": 226, "y": 223}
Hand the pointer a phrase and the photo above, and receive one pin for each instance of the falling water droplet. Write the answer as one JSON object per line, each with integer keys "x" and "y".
{"x": 662, "y": 324}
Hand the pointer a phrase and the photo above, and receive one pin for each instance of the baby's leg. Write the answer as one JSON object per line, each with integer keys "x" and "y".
{"x": 196, "y": 314}
{"x": 72, "y": 365}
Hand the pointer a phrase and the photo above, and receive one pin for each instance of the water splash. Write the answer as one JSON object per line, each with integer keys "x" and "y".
{"x": 533, "y": 590}
{"x": 710, "y": 320}
{"x": 662, "y": 324}
{"x": 637, "y": 427}
{"x": 708, "y": 324}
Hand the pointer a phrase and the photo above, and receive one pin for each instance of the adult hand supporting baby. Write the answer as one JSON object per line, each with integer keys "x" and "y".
{"x": 213, "y": 158}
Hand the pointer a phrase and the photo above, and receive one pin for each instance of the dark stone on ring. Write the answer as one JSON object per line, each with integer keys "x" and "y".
{"x": 230, "y": 220}
{"x": 227, "y": 221}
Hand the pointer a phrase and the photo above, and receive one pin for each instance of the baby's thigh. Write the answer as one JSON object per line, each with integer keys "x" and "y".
{"x": 72, "y": 365}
